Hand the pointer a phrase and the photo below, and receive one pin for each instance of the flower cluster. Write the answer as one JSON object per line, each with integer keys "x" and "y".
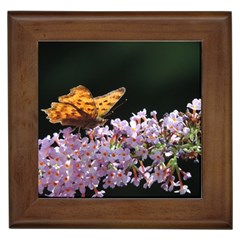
{"x": 145, "y": 149}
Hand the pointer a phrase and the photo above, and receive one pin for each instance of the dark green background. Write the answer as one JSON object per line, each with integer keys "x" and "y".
{"x": 161, "y": 76}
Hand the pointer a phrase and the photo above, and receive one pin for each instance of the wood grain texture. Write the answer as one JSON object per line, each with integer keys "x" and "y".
{"x": 212, "y": 29}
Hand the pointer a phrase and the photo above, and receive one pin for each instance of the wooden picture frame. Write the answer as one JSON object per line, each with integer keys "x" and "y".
{"x": 212, "y": 29}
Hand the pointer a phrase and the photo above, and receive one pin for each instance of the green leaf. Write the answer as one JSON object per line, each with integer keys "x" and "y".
{"x": 185, "y": 150}
{"x": 191, "y": 136}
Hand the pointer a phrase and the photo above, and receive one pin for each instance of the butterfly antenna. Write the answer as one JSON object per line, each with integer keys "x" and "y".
{"x": 116, "y": 108}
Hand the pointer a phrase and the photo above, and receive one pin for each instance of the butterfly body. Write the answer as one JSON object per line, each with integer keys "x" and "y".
{"x": 80, "y": 109}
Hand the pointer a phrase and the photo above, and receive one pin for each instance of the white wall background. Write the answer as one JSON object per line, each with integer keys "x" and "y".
{"x": 116, "y": 5}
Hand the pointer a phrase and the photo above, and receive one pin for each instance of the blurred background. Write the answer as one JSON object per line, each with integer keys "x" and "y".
{"x": 161, "y": 76}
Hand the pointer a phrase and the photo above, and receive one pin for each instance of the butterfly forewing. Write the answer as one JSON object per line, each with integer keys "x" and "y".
{"x": 105, "y": 102}
{"x": 81, "y": 98}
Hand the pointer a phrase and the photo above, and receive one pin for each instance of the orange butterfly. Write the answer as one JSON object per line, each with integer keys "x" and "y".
{"x": 79, "y": 108}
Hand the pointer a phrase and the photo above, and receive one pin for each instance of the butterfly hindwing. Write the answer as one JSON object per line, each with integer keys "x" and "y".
{"x": 63, "y": 113}
{"x": 105, "y": 102}
{"x": 82, "y": 99}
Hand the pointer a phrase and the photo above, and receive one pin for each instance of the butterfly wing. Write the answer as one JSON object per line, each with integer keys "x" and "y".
{"x": 105, "y": 103}
{"x": 64, "y": 113}
{"x": 79, "y": 108}
{"x": 81, "y": 98}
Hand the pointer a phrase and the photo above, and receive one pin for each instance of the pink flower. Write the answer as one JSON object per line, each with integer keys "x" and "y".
{"x": 69, "y": 163}
{"x": 157, "y": 156}
{"x": 183, "y": 190}
{"x": 158, "y": 175}
{"x": 99, "y": 194}
{"x": 195, "y": 105}
{"x": 123, "y": 154}
{"x": 142, "y": 152}
{"x": 122, "y": 178}
{"x": 133, "y": 129}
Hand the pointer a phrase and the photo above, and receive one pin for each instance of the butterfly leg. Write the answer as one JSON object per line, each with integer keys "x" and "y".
{"x": 73, "y": 129}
